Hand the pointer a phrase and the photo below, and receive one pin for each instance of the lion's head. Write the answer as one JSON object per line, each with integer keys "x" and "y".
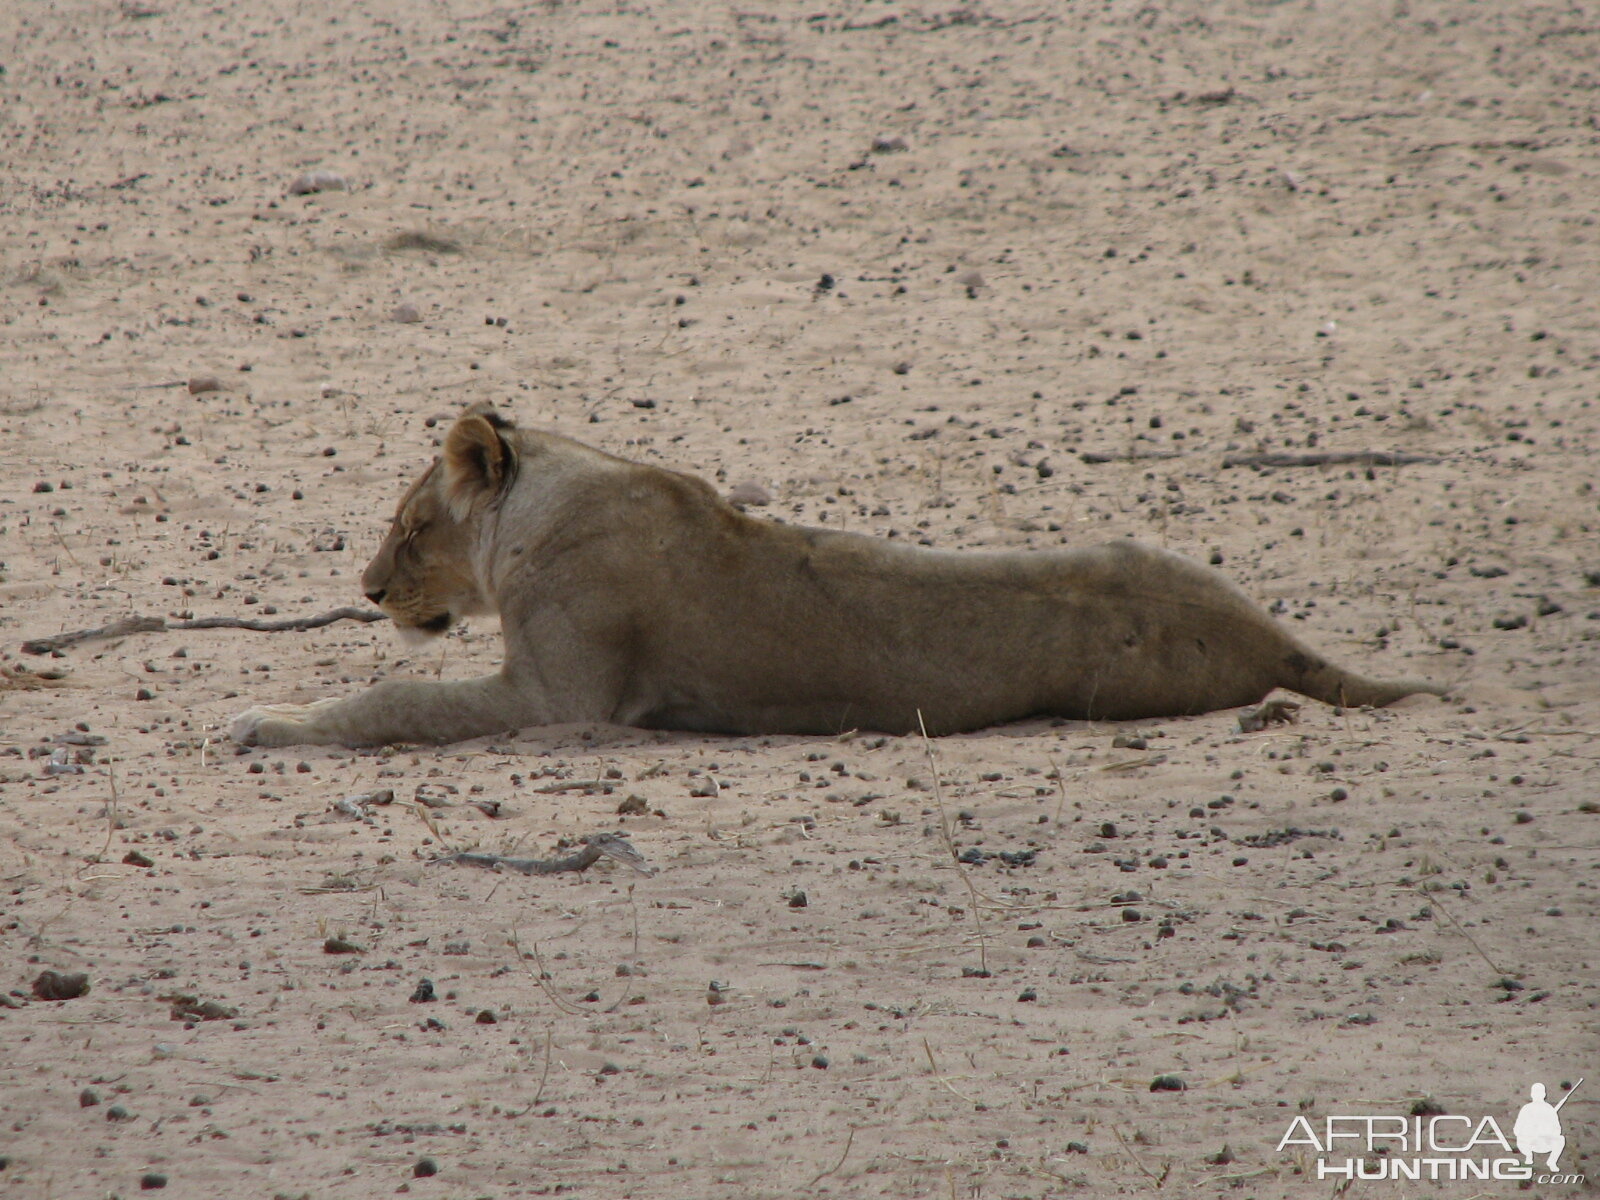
{"x": 423, "y": 574}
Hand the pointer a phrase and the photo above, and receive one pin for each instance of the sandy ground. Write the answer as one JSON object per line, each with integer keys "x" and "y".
{"x": 1114, "y": 246}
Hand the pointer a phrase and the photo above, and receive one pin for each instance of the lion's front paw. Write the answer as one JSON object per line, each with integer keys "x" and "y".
{"x": 278, "y": 725}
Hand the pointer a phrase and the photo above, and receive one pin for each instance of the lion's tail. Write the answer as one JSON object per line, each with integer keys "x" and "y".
{"x": 1322, "y": 680}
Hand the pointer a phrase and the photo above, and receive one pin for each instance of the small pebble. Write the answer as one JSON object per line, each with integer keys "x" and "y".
{"x": 407, "y": 313}
{"x": 820, "y": 1062}
{"x": 749, "y": 493}
{"x": 117, "y": 1113}
{"x": 204, "y": 383}
{"x": 889, "y": 145}
{"x": 312, "y": 182}
{"x": 151, "y": 1180}
{"x": 424, "y": 1168}
{"x": 54, "y": 985}
{"x": 88, "y": 1098}
{"x": 192, "y": 1008}
{"x": 1168, "y": 1083}
{"x": 424, "y": 993}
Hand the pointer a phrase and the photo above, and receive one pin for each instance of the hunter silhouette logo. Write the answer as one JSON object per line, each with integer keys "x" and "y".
{"x": 1538, "y": 1127}
{"x": 1440, "y": 1146}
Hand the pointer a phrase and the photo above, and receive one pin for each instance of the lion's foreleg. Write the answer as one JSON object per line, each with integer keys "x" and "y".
{"x": 409, "y": 710}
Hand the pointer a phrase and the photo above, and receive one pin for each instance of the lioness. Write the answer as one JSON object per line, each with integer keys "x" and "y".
{"x": 636, "y": 595}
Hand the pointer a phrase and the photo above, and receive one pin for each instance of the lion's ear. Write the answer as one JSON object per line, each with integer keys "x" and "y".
{"x": 478, "y": 462}
{"x": 486, "y": 410}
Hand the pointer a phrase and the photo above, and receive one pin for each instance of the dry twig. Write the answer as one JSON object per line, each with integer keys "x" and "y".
{"x": 950, "y": 846}
{"x": 595, "y": 847}
{"x": 1160, "y": 1179}
{"x": 127, "y": 625}
{"x": 820, "y": 1176}
{"x": 1331, "y": 458}
{"x": 1432, "y": 899}
{"x": 939, "y": 1075}
{"x": 1095, "y": 457}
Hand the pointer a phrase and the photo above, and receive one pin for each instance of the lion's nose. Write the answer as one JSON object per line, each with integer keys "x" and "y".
{"x": 377, "y": 596}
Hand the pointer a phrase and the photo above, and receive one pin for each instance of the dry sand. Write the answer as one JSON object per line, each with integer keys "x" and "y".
{"x": 1167, "y": 234}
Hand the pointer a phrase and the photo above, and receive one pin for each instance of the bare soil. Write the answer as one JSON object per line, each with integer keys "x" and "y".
{"x": 991, "y": 275}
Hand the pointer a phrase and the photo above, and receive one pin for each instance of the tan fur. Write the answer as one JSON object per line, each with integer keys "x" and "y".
{"x": 636, "y": 595}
